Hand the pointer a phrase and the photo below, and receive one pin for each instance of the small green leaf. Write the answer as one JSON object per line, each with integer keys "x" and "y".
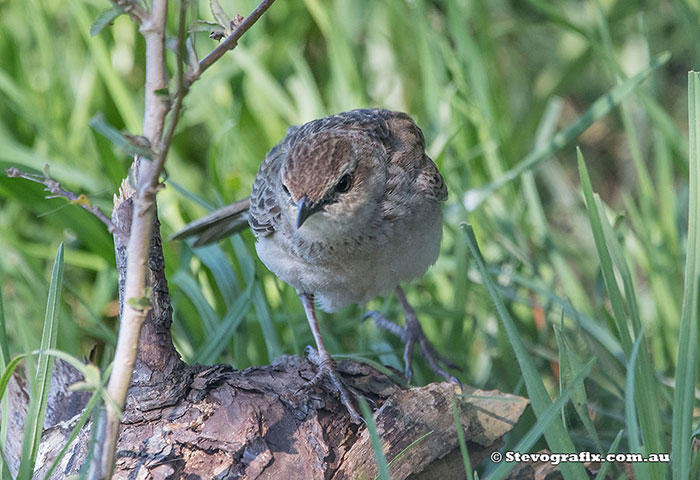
{"x": 192, "y": 60}
{"x": 203, "y": 26}
{"x": 222, "y": 19}
{"x": 100, "y": 125}
{"x": 81, "y": 387}
{"x": 105, "y": 18}
{"x": 641, "y": 470}
{"x": 92, "y": 374}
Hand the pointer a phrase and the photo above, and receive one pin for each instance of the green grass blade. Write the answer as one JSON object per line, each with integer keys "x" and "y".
{"x": 625, "y": 315}
{"x": 600, "y": 333}
{"x": 635, "y": 445}
{"x": 84, "y": 417}
{"x": 646, "y": 189}
{"x": 601, "y": 107}
{"x": 557, "y": 437}
{"x": 4, "y": 380}
{"x": 686, "y": 366}
{"x": 545, "y": 131}
{"x": 462, "y": 443}
{"x": 613, "y": 448}
{"x": 4, "y": 348}
{"x": 613, "y": 246}
{"x": 34, "y": 421}
{"x": 616, "y": 300}
{"x": 274, "y": 347}
{"x": 262, "y": 311}
{"x": 408, "y": 447}
{"x": 569, "y": 364}
{"x": 544, "y": 420}
{"x": 189, "y": 195}
{"x": 382, "y": 465}
{"x": 219, "y": 338}
{"x": 213, "y": 257}
{"x": 191, "y": 289}
{"x": 695, "y": 466}
{"x": 98, "y": 393}
{"x": 4, "y": 362}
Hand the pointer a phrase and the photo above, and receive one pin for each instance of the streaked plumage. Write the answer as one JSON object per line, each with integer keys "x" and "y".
{"x": 345, "y": 208}
{"x": 385, "y": 230}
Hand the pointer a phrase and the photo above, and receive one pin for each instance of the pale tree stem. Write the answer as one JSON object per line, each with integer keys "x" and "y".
{"x": 157, "y": 106}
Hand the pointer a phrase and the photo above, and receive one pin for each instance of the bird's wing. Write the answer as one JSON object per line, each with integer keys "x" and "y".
{"x": 430, "y": 181}
{"x": 407, "y": 152}
{"x": 264, "y": 214}
{"x": 217, "y": 225}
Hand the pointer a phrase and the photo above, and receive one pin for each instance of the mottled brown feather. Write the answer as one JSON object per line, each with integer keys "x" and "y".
{"x": 321, "y": 145}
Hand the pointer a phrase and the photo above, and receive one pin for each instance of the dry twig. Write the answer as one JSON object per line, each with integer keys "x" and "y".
{"x": 229, "y": 43}
{"x": 56, "y": 191}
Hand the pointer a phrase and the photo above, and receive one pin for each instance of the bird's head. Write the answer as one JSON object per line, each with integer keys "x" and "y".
{"x": 331, "y": 181}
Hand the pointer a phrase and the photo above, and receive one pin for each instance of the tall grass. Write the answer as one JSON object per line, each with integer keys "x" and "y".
{"x": 687, "y": 361}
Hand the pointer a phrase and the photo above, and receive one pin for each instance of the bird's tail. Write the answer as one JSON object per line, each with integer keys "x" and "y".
{"x": 217, "y": 225}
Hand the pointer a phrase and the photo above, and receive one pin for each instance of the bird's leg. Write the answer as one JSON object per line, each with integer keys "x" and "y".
{"x": 411, "y": 334}
{"x": 321, "y": 358}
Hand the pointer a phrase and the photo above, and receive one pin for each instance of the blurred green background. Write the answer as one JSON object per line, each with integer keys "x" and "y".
{"x": 488, "y": 82}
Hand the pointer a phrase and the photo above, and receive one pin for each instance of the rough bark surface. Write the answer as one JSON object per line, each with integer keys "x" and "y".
{"x": 264, "y": 423}
{"x": 213, "y": 422}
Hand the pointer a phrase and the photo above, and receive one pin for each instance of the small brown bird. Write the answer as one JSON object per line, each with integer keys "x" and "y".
{"x": 345, "y": 208}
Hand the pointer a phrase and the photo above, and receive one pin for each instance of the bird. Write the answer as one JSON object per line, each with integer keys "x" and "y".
{"x": 345, "y": 208}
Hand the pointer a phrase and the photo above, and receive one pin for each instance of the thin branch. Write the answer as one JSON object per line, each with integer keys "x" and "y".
{"x": 135, "y": 291}
{"x": 181, "y": 88}
{"x": 156, "y": 104}
{"x": 229, "y": 43}
{"x": 133, "y": 8}
{"x": 56, "y": 191}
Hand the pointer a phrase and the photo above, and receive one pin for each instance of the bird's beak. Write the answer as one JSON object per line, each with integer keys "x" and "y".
{"x": 306, "y": 209}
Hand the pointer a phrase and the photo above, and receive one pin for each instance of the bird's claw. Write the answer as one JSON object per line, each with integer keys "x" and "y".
{"x": 412, "y": 334}
{"x": 327, "y": 369}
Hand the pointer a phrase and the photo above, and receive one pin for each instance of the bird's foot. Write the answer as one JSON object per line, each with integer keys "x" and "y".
{"x": 327, "y": 369}
{"x": 412, "y": 334}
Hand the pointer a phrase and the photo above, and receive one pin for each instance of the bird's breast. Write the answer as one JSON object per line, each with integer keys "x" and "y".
{"x": 354, "y": 268}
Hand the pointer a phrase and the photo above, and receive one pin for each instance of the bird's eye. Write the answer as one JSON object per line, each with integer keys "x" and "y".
{"x": 344, "y": 183}
{"x": 286, "y": 190}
